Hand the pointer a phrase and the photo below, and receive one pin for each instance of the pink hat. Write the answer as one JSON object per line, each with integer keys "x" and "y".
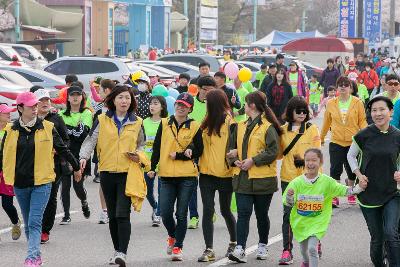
{"x": 6, "y": 109}
{"x": 27, "y": 99}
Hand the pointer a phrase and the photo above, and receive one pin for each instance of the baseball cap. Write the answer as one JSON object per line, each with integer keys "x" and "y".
{"x": 27, "y": 99}
{"x": 152, "y": 74}
{"x": 272, "y": 65}
{"x": 144, "y": 78}
{"x": 6, "y": 109}
{"x": 42, "y": 93}
{"x": 393, "y": 60}
{"x": 352, "y": 64}
{"x": 74, "y": 89}
{"x": 185, "y": 99}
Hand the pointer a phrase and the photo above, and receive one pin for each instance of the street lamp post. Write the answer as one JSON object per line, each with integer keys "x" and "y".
{"x": 17, "y": 22}
{"x": 186, "y": 33}
{"x": 255, "y": 5}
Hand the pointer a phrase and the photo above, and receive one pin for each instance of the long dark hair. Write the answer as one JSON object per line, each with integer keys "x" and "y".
{"x": 163, "y": 103}
{"x": 284, "y": 80}
{"x": 217, "y": 109}
{"x": 259, "y": 100}
{"x": 118, "y": 89}
{"x": 82, "y": 106}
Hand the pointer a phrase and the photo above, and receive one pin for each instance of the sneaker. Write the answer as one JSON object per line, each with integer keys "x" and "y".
{"x": 156, "y": 221}
{"x": 304, "y": 264}
{"x": 286, "y": 258}
{"x": 238, "y": 255}
{"x": 214, "y": 217}
{"x": 335, "y": 202}
{"x": 96, "y": 179}
{"x": 44, "y": 238}
{"x": 208, "y": 255}
{"x": 103, "y": 217}
{"x": 319, "y": 249}
{"x": 39, "y": 261}
{"x": 171, "y": 243}
{"x": 262, "y": 251}
{"x": 193, "y": 223}
{"x": 65, "y": 221}
{"x": 177, "y": 254}
{"x": 16, "y": 231}
{"x": 86, "y": 210}
{"x": 351, "y": 200}
{"x": 120, "y": 259}
{"x": 111, "y": 261}
{"x": 231, "y": 248}
{"x": 30, "y": 263}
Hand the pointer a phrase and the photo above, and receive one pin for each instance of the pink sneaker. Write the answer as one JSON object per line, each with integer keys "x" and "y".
{"x": 39, "y": 261}
{"x": 30, "y": 263}
{"x": 351, "y": 200}
{"x": 335, "y": 202}
{"x": 304, "y": 264}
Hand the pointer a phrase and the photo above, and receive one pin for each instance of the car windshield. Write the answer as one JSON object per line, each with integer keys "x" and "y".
{"x": 11, "y": 52}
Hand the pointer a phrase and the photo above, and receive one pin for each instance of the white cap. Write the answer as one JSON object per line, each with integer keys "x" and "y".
{"x": 144, "y": 78}
{"x": 393, "y": 60}
{"x": 42, "y": 93}
{"x": 152, "y": 73}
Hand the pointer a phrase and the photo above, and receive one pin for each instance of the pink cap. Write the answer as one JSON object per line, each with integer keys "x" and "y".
{"x": 6, "y": 109}
{"x": 27, "y": 99}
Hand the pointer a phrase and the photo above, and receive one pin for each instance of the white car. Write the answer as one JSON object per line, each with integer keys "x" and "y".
{"x": 15, "y": 78}
{"x": 178, "y": 67}
{"x": 9, "y": 93}
{"x": 88, "y": 67}
{"x": 38, "y": 77}
{"x": 30, "y": 55}
{"x": 7, "y": 53}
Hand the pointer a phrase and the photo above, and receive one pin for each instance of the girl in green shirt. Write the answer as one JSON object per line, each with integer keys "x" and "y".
{"x": 311, "y": 196}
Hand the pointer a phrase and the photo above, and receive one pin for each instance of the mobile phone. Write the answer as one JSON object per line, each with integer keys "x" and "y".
{"x": 131, "y": 153}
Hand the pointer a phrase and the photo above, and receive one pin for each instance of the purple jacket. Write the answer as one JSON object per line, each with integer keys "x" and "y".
{"x": 301, "y": 85}
{"x": 328, "y": 78}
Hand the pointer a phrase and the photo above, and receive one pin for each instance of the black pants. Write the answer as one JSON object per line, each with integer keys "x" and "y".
{"x": 338, "y": 158}
{"x": 287, "y": 234}
{"x": 8, "y": 205}
{"x": 118, "y": 208}
{"x": 208, "y": 185}
{"x": 51, "y": 208}
{"x": 65, "y": 191}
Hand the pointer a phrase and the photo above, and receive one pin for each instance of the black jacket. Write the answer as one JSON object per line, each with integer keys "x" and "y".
{"x": 24, "y": 168}
{"x": 182, "y": 89}
{"x": 264, "y": 84}
{"x": 196, "y": 80}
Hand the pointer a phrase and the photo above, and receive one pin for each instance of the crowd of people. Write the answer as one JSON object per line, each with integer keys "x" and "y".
{"x": 220, "y": 134}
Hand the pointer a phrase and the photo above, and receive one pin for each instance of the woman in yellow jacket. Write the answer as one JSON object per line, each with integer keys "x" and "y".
{"x": 344, "y": 117}
{"x": 118, "y": 134}
{"x": 215, "y": 173}
{"x": 27, "y": 161}
{"x": 253, "y": 150}
{"x": 298, "y": 136}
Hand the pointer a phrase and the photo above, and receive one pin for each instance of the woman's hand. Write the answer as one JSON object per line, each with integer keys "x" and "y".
{"x": 83, "y": 164}
{"x": 78, "y": 176}
{"x": 151, "y": 174}
{"x": 397, "y": 176}
{"x": 172, "y": 155}
{"x": 290, "y": 192}
{"x": 188, "y": 153}
{"x": 247, "y": 164}
{"x": 363, "y": 184}
{"x": 232, "y": 154}
{"x": 238, "y": 163}
{"x": 133, "y": 156}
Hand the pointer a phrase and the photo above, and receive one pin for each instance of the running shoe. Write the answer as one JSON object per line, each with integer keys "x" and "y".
{"x": 286, "y": 258}
{"x": 177, "y": 254}
{"x": 193, "y": 223}
{"x": 120, "y": 259}
{"x": 85, "y": 209}
{"x": 304, "y": 264}
{"x": 238, "y": 255}
{"x": 319, "y": 249}
{"x": 103, "y": 217}
{"x": 44, "y": 238}
{"x": 65, "y": 221}
{"x": 231, "y": 248}
{"x": 156, "y": 221}
{"x": 170, "y": 246}
{"x": 208, "y": 255}
{"x": 30, "y": 263}
{"x": 96, "y": 179}
{"x": 351, "y": 200}
{"x": 262, "y": 251}
{"x": 39, "y": 261}
{"x": 111, "y": 261}
{"x": 335, "y": 202}
{"x": 16, "y": 231}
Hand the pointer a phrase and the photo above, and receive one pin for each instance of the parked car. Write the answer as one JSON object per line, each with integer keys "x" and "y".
{"x": 7, "y": 53}
{"x": 15, "y": 78}
{"x": 38, "y": 77}
{"x": 193, "y": 59}
{"x": 9, "y": 93}
{"x": 311, "y": 69}
{"x": 167, "y": 77}
{"x": 178, "y": 67}
{"x": 88, "y": 67}
{"x": 30, "y": 55}
{"x": 267, "y": 59}
{"x": 253, "y": 66}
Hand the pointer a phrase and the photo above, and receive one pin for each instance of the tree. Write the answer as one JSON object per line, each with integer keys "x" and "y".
{"x": 4, "y": 6}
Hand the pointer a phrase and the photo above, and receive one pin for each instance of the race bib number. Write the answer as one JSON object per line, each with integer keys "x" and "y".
{"x": 149, "y": 144}
{"x": 310, "y": 206}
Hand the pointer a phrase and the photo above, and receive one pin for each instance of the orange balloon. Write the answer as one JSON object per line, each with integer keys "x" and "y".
{"x": 193, "y": 89}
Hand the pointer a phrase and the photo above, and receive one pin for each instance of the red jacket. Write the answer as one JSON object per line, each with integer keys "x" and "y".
{"x": 370, "y": 79}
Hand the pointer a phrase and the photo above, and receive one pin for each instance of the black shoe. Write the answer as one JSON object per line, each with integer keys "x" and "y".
{"x": 65, "y": 221}
{"x": 96, "y": 179}
{"x": 86, "y": 210}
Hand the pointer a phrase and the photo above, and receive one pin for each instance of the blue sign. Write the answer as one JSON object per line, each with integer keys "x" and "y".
{"x": 347, "y": 18}
{"x": 372, "y": 21}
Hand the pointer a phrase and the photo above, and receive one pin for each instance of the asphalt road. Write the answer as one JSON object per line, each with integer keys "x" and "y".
{"x": 87, "y": 243}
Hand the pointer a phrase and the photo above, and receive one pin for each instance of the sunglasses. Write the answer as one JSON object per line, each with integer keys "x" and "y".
{"x": 300, "y": 111}
{"x": 344, "y": 85}
{"x": 393, "y": 83}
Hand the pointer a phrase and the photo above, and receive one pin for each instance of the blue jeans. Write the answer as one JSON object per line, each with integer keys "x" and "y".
{"x": 33, "y": 201}
{"x": 383, "y": 225}
{"x": 150, "y": 193}
{"x": 193, "y": 205}
{"x": 179, "y": 190}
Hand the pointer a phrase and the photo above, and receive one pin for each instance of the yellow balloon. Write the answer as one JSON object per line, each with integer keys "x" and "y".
{"x": 245, "y": 74}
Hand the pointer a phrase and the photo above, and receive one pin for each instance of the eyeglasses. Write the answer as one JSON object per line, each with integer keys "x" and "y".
{"x": 300, "y": 111}
{"x": 344, "y": 85}
{"x": 393, "y": 83}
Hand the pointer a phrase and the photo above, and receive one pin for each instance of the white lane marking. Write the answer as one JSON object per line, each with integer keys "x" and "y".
{"x": 250, "y": 250}
{"x": 8, "y": 229}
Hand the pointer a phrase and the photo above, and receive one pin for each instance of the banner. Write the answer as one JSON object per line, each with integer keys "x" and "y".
{"x": 208, "y": 23}
{"x": 372, "y": 21}
{"x": 208, "y": 34}
{"x": 209, "y": 12}
{"x": 213, "y": 3}
{"x": 347, "y": 18}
